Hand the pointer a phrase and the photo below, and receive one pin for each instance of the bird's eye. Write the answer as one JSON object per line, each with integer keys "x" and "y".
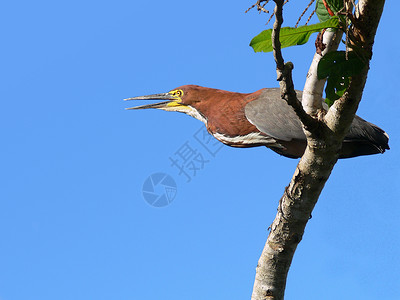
{"x": 178, "y": 93}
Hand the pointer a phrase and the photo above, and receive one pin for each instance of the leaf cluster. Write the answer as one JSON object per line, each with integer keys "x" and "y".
{"x": 337, "y": 66}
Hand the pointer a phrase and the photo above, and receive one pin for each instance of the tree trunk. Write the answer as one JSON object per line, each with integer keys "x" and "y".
{"x": 324, "y": 137}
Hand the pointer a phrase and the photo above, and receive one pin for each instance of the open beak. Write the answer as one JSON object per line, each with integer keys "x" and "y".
{"x": 171, "y": 101}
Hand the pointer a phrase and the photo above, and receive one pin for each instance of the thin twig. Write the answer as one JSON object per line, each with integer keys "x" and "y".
{"x": 270, "y": 18}
{"x": 247, "y": 10}
{"x": 309, "y": 18}
{"x": 284, "y": 72}
{"x": 304, "y": 11}
{"x": 260, "y": 8}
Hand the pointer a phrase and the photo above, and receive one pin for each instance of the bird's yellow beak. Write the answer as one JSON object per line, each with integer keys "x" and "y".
{"x": 172, "y": 102}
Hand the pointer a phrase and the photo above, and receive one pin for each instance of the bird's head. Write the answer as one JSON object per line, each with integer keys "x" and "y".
{"x": 182, "y": 99}
{"x": 178, "y": 99}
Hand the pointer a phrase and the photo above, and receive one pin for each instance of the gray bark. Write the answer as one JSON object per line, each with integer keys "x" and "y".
{"x": 325, "y": 134}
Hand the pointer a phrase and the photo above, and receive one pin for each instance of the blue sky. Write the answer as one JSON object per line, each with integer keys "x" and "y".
{"x": 73, "y": 220}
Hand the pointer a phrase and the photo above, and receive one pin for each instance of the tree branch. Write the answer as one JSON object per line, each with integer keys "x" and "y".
{"x": 314, "y": 87}
{"x": 341, "y": 114}
{"x": 284, "y": 71}
{"x": 314, "y": 168}
{"x": 276, "y": 43}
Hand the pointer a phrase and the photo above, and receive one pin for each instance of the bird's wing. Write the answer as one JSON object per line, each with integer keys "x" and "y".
{"x": 273, "y": 116}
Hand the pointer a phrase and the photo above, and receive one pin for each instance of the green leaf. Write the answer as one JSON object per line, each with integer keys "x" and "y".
{"x": 335, "y": 5}
{"x": 290, "y": 36}
{"x": 339, "y": 70}
{"x": 335, "y": 88}
{"x": 335, "y": 64}
{"x": 321, "y": 11}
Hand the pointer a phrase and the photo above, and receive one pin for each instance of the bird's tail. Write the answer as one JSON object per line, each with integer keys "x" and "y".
{"x": 364, "y": 138}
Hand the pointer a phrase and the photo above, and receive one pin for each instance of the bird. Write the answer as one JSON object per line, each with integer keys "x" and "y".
{"x": 257, "y": 119}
